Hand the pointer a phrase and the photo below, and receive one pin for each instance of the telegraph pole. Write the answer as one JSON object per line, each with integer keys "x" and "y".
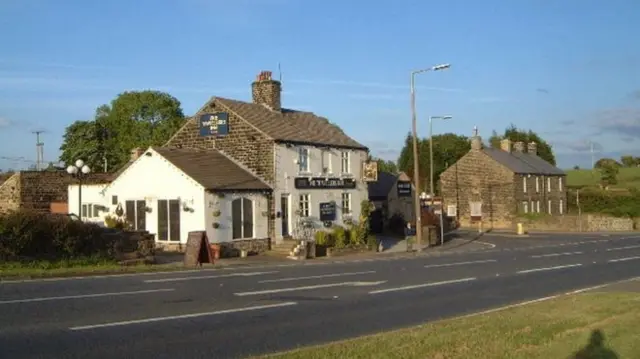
{"x": 39, "y": 149}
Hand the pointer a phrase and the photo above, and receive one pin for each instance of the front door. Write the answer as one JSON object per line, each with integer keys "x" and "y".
{"x": 284, "y": 210}
{"x": 242, "y": 218}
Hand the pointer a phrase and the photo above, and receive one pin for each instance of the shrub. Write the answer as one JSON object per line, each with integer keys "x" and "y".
{"x": 321, "y": 238}
{"x": 339, "y": 236}
{"x": 594, "y": 200}
{"x": 116, "y": 222}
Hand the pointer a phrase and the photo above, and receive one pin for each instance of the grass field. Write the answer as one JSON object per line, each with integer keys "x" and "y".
{"x": 627, "y": 177}
{"x": 556, "y": 328}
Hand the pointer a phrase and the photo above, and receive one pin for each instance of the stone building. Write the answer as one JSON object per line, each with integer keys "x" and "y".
{"x": 509, "y": 181}
{"x": 392, "y": 195}
{"x": 308, "y": 161}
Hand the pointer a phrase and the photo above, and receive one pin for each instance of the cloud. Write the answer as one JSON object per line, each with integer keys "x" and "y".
{"x": 567, "y": 122}
{"x": 542, "y": 90}
{"x": 318, "y": 82}
{"x": 621, "y": 121}
{"x": 627, "y": 139}
{"x": 5, "y": 122}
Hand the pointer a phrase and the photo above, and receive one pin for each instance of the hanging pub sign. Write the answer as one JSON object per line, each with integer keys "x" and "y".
{"x": 324, "y": 183}
{"x": 370, "y": 171}
{"x": 327, "y": 211}
{"x": 214, "y": 124}
{"x": 404, "y": 188}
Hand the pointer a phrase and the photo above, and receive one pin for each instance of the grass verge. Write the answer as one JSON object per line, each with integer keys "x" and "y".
{"x": 71, "y": 268}
{"x": 553, "y": 329}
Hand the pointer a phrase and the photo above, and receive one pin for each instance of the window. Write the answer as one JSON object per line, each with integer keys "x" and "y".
{"x": 560, "y": 184}
{"x": 525, "y": 207}
{"x": 549, "y": 206}
{"x": 538, "y": 206}
{"x": 114, "y": 200}
{"x": 537, "y": 184}
{"x": 168, "y": 220}
{"x": 136, "y": 215}
{"x": 346, "y": 167}
{"x": 346, "y": 203}
{"x": 548, "y": 184}
{"x": 242, "y": 218}
{"x": 303, "y": 159}
{"x": 524, "y": 184}
{"x": 90, "y": 210}
{"x": 303, "y": 205}
{"x": 561, "y": 206}
{"x": 532, "y": 207}
{"x": 326, "y": 161}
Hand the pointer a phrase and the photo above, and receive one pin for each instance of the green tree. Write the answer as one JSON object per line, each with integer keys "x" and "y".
{"x": 386, "y": 166}
{"x": 607, "y": 162}
{"x": 628, "y": 161}
{"x": 544, "y": 149}
{"x": 494, "y": 140}
{"x": 132, "y": 119}
{"x": 609, "y": 174}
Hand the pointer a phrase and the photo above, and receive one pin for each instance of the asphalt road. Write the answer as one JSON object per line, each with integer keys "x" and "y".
{"x": 235, "y": 313}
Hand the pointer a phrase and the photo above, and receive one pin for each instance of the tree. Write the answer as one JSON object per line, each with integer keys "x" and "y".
{"x": 607, "y": 162}
{"x": 132, "y": 119}
{"x": 629, "y": 161}
{"x": 609, "y": 175}
{"x": 386, "y": 166}
{"x": 544, "y": 149}
{"x": 494, "y": 140}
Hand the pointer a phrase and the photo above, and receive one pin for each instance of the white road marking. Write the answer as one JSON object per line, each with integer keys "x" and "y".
{"x": 623, "y": 259}
{"x": 309, "y": 287}
{"x": 315, "y": 277}
{"x": 491, "y": 245}
{"x": 96, "y": 295}
{"x": 460, "y": 263}
{"x": 548, "y": 268}
{"x": 556, "y": 254}
{"x": 250, "y": 274}
{"x": 425, "y": 285}
{"x": 621, "y": 248}
{"x": 184, "y": 316}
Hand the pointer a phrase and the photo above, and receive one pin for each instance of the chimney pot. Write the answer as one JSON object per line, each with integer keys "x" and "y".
{"x": 266, "y": 91}
{"x": 476, "y": 140}
{"x": 518, "y": 146}
{"x": 532, "y": 148}
{"x": 505, "y": 145}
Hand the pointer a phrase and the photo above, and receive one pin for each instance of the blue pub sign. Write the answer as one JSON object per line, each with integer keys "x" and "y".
{"x": 214, "y": 124}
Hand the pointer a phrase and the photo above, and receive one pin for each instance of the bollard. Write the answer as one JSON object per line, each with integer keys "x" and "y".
{"x": 520, "y": 229}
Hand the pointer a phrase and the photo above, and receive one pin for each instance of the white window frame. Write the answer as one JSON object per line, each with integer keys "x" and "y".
{"x": 561, "y": 206}
{"x": 345, "y": 162}
{"x": 326, "y": 161}
{"x": 525, "y": 206}
{"x": 303, "y": 160}
{"x": 549, "y": 184}
{"x": 538, "y": 206}
{"x": 92, "y": 210}
{"x": 524, "y": 184}
{"x": 549, "y": 207}
{"x": 560, "y": 184}
{"x": 537, "y": 184}
{"x": 304, "y": 204}
{"x": 346, "y": 203}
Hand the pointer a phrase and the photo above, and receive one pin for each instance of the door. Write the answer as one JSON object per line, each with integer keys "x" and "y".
{"x": 284, "y": 213}
{"x": 376, "y": 223}
{"x": 136, "y": 215}
{"x": 169, "y": 220}
{"x": 242, "y": 218}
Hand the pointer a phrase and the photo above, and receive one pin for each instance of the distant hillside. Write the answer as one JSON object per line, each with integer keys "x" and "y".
{"x": 627, "y": 177}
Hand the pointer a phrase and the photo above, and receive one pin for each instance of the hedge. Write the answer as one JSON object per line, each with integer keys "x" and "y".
{"x": 595, "y": 200}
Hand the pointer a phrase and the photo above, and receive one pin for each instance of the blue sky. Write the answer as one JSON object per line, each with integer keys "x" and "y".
{"x": 569, "y": 70}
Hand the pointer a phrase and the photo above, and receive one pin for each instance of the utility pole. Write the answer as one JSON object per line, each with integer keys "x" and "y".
{"x": 39, "y": 149}
{"x": 593, "y": 161}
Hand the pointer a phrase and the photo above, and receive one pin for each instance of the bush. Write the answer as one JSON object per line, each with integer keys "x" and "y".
{"x": 116, "y": 222}
{"x": 46, "y": 236}
{"x": 321, "y": 238}
{"x": 339, "y": 236}
{"x": 618, "y": 204}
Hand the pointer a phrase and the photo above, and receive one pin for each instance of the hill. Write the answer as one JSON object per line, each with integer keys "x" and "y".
{"x": 627, "y": 177}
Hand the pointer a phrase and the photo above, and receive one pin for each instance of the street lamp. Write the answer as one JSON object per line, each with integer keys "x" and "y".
{"x": 431, "y": 149}
{"x": 79, "y": 171}
{"x": 416, "y": 181}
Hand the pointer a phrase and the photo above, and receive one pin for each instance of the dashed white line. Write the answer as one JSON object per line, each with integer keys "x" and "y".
{"x": 180, "y": 279}
{"x": 623, "y": 259}
{"x": 621, "y": 248}
{"x": 425, "y": 285}
{"x": 548, "y": 268}
{"x": 460, "y": 263}
{"x": 309, "y": 287}
{"x": 184, "y": 316}
{"x": 556, "y": 254}
{"x": 96, "y": 295}
{"x": 316, "y": 277}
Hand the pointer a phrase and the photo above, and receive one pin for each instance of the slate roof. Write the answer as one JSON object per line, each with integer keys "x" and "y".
{"x": 290, "y": 125}
{"x": 382, "y": 187}
{"x": 212, "y": 169}
{"x": 523, "y": 163}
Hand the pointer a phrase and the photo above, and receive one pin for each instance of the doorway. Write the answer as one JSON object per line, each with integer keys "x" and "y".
{"x": 242, "y": 218}
{"x": 284, "y": 210}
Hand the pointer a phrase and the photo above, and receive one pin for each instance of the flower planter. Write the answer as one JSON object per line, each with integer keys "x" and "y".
{"x": 215, "y": 249}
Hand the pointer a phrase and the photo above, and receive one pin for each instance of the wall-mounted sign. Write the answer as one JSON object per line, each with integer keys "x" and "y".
{"x": 452, "y": 210}
{"x": 404, "y": 188}
{"x": 214, "y": 124}
{"x": 370, "y": 171}
{"x": 327, "y": 211}
{"x": 324, "y": 183}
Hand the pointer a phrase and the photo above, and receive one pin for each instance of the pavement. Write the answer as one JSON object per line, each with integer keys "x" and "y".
{"x": 234, "y": 312}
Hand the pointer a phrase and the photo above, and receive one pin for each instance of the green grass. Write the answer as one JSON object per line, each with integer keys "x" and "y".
{"x": 72, "y": 267}
{"x": 627, "y": 177}
{"x": 552, "y": 329}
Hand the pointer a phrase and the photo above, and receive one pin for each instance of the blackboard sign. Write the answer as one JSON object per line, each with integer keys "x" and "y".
{"x": 404, "y": 188}
{"x": 214, "y": 124}
{"x": 327, "y": 211}
{"x": 324, "y": 183}
{"x": 198, "y": 249}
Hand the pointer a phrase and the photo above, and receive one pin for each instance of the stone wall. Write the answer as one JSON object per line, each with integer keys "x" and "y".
{"x": 227, "y": 249}
{"x": 10, "y": 194}
{"x": 541, "y": 193}
{"x": 39, "y": 188}
{"x": 575, "y": 223}
{"x": 477, "y": 177}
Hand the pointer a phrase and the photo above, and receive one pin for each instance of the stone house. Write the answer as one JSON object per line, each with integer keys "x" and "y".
{"x": 307, "y": 160}
{"x": 391, "y": 194}
{"x": 509, "y": 182}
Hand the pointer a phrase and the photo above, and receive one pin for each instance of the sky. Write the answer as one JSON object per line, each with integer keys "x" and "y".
{"x": 569, "y": 70}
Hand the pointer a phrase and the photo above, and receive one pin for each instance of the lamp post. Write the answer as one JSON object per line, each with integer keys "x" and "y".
{"x": 416, "y": 180}
{"x": 79, "y": 171}
{"x": 431, "y": 187}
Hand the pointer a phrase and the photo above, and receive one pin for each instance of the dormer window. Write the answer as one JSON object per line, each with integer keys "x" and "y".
{"x": 303, "y": 159}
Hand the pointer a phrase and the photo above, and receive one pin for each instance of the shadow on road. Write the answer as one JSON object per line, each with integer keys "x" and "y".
{"x": 595, "y": 348}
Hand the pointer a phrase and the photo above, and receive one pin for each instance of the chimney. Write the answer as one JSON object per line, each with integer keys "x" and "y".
{"x": 476, "y": 140}
{"x": 532, "y": 148}
{"x": 267, "y": 91}
{"x": 518, "y": 146}
{"x": 505, "y": 145}
{"x": 135, "y": 153}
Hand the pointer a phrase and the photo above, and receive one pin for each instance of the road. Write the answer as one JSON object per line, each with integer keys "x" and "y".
{"x": 227, "y": 313}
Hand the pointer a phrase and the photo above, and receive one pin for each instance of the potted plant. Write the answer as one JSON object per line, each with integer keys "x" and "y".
{"x": 215, "y": 250}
